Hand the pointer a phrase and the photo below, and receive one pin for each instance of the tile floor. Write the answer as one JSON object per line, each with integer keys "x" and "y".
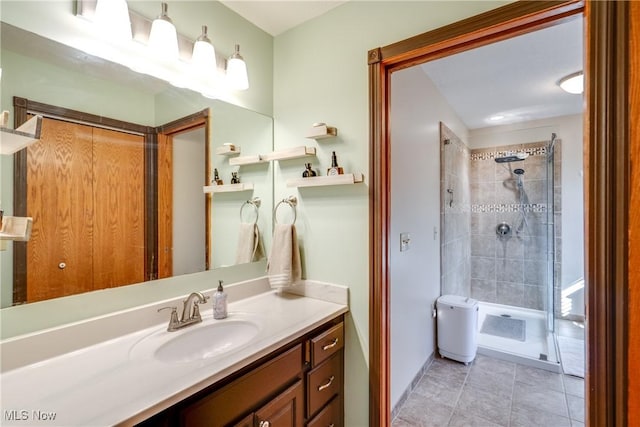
{"x": 491, "y": 392}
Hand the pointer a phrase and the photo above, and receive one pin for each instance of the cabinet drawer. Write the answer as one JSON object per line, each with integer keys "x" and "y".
{"x": 242, "y": 395}
{"x": 330, "y": 416}
{"x": 327, "y": 344}
{"x": 324, "y": 382}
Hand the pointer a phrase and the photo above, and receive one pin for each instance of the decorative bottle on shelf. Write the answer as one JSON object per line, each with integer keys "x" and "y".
{"x": 216, "y": 178}
{"x": 234, "y": 178}
{"x": 334, "y": 169}
{"x": 308, "y": 172}
{"x": 219, "y": 302}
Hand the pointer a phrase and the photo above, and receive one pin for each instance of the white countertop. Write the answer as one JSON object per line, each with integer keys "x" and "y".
{"x": 104, "y": 385}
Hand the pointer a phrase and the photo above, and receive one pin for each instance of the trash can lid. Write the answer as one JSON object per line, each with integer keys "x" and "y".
{"x": 457, "y": 301}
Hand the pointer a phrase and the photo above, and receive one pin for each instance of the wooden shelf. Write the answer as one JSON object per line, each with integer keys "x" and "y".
{"x": 322, "y": 131}
{"x": 247, "y": 160}
{"x": 226, "y": 150}
{"x": 12, "y": 141}
{"x": 320, "y": 181}
{"x": 243, "y": 186}
{"x": 17, "y": 228}
{"x": 291, "y": 153}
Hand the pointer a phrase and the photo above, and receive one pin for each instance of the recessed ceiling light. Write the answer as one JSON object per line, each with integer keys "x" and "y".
{"x": 573, "y": 83}
{"x": 496, "y": 117}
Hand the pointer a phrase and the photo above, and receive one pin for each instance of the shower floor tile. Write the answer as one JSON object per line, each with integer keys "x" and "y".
{"x": 516, "y": 395}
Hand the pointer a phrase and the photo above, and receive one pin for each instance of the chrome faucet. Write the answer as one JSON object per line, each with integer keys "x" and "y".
{"x": 188, "y": 309}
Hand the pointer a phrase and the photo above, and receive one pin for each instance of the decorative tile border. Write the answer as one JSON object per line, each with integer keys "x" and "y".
{"x": 508, "y": 207}
{"x": 490, "y": 155}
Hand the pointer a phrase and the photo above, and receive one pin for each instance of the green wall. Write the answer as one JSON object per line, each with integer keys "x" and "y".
{"x": 321, "y": 75}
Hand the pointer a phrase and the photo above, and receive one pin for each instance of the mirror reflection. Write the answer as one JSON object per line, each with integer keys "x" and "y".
{"x": 203, "y": 229}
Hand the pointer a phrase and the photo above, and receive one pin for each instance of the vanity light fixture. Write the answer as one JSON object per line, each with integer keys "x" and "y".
{"x": 163, "y": 39}
{"x": 203, "y": 57}
{"x": 112, "y": 16}
{"x": 237, "y": 71}
{"x": 573, "y": 83}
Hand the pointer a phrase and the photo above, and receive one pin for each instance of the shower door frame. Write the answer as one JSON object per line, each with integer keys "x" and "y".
{"x": 607, "y": 182}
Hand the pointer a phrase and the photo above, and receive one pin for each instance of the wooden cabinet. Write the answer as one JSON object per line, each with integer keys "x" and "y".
{"x": 300, "y": 384}
{"x": 325, "y": 382}
{"x": 286, "y": 410}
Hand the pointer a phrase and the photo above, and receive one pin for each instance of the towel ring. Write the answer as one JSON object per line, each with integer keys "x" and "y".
{"x": 292, "y": 201}
{"x": 255, "y": 202}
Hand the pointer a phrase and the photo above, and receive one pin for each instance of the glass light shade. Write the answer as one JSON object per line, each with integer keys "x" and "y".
{"x": 112, "y": 17}
{"x": 573, "y": 83}
{"x": 204, "y": 54}
{"x": 237, "y": 71}
{"x": 163, "y": 39}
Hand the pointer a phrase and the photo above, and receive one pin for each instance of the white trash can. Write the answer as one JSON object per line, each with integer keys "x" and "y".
{"x": 457, "y": 319}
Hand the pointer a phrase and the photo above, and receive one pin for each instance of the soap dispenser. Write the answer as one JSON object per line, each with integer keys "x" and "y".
{"x": 219, "y": 303}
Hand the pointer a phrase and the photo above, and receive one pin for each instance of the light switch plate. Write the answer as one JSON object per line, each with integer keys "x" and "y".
{"x": 405, "y": 241}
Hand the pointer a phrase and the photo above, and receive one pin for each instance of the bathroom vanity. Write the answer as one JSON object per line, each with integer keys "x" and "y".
{"x": 298, "y": 384}
{"x": 276, "y": 360}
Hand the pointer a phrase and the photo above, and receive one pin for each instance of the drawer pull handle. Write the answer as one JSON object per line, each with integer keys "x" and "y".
{"x": 327, "y": 384}
{"x": 331, "y": 425}
{"x": 264, "y": 424}
{"x": 328, "y": 346}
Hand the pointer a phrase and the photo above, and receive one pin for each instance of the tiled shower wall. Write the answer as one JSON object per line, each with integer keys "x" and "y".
{"x": 476, "y": 262}
{"x": 455, "y": 214}
{"x": 512, "y": 269}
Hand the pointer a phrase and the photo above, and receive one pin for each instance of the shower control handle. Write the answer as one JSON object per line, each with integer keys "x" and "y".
{"x": 503, "y": 229}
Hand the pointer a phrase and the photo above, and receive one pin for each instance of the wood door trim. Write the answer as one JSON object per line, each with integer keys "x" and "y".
{"x": 606, "y": 134}
{"x": 634, "y": 217}
{"x": 185, "y": 124}
{"x": 22, "y": 107}
{"x": 607, "y": 205}
{"x": 62, "y": 113}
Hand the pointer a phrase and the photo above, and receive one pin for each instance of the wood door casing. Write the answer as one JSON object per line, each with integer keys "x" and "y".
{"x": 59, "y": 198}
{"x": 165, "y": 206}
{"x": 634, "y": 217}
{"x": 118, "y": 198}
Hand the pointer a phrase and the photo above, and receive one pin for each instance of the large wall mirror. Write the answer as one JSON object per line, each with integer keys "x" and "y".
{"x": 205, "y": 227}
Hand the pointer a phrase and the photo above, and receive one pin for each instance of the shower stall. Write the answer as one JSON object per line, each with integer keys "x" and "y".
{"x": 499, "y": 207}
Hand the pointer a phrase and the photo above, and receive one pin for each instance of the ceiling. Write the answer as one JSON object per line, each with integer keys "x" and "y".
{"x": 276, "y": 17}
{"x": 515, "y": 78}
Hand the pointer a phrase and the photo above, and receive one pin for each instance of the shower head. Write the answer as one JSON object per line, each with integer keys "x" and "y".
{"x": 517, "y": 157}
{"x": 518, "y": 171}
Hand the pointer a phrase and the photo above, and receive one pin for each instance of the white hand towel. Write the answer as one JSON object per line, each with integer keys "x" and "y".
{"x": 249, "y": 244}
{"x": 283, "y": 268}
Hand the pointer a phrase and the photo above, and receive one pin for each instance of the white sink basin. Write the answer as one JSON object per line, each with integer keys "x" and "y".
{"x": 204, "y": 340}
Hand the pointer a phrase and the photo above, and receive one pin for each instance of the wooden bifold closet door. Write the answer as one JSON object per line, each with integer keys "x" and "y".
{"x": 85, "y": 192}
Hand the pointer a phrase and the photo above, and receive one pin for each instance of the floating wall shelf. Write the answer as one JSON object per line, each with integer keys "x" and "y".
{"x": 228, "y": 150}
{"x": 12, "y": 141}
{"x": 17, "y": 228}
{"x": 243, "y": 186}
{"x": 322, "y": 131}
{"x": 291, "y": 153}
{"x": 320, "y": 181}
{"x": 246, "y": 160}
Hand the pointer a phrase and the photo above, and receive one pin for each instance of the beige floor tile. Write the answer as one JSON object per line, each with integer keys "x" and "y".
{"x": 540, "y": 397}
{"x": 576, "y": 407}
{"x": 483, "y": 403}
{"x": 539, "y": 377}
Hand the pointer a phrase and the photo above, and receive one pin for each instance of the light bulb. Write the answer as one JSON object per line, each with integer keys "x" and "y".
{"x": 112, "y": 17}
{"x": 163, "y": 39}
{"x": 204, "y": 54}
{"x": 237, "y": 71}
